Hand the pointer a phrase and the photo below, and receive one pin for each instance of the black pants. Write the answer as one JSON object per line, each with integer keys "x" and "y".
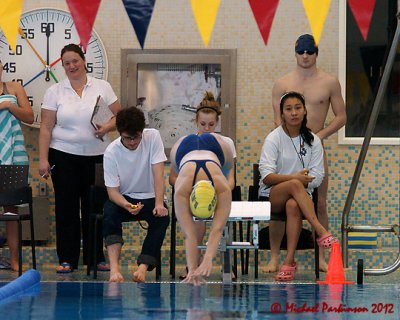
{"x": 72, "y": 177}
{"x": 114, "y": 215}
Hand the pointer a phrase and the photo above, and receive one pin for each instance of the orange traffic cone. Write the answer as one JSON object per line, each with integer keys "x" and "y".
{"x": 335, "y": 274}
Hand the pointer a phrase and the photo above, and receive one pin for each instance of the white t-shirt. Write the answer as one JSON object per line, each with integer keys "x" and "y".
{"x": 230, "y": 143}
{"x": 73, "y": 132}
{"x": 131, "y": 170}
{"x": 278, "y": 155}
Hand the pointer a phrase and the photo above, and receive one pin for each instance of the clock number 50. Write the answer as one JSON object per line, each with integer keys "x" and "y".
{"x": 18, "y": 50}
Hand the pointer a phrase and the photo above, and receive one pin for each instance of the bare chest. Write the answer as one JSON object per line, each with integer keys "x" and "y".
{"x": 317, "y": 97}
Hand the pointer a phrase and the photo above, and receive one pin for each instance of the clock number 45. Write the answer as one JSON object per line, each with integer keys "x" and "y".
{"x": 10, "y": 67}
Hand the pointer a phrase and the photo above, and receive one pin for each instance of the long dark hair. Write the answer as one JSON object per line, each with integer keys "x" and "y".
{"x": 305, "y": 132}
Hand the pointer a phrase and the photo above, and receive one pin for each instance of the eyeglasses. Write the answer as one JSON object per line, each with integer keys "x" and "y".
{"x": 309, "y": 53}
{"x": 131, "y": 139}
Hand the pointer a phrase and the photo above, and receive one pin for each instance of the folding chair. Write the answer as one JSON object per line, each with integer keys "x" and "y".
{"x": 15, "y": 190}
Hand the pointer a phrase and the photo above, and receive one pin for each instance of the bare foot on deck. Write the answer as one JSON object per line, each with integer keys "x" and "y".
{"x": 140, "y": 274}
{"x": 116, "y": 277}
{"x": 272, "y": 266}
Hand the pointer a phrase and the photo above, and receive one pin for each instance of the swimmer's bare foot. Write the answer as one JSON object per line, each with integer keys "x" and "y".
{"x": 116, "y": 276}
{"x": 140, "y": 274}
{"x": 272, "y": 266}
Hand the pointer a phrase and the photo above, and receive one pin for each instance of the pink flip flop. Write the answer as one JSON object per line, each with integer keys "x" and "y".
{"x": 327, "y": 241}
{"x": 286, "y": 273}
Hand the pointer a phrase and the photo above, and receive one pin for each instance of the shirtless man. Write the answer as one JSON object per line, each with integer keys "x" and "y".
{"x": 320, "y": 90}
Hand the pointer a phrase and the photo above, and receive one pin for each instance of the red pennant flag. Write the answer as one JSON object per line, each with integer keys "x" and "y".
{"x": 362, "y": 11}
{"x": 264, "y": 13}
{"x": 84, "y": 13}
{"x": 140, "y": 12}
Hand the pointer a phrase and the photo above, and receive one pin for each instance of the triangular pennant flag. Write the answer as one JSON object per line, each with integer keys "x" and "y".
{"x": 140, "y": 12}
{"x": 316, "y": 11}
{"x": 362, "y": 12}
{"x": 84, "y": 13}
{"x": 10, "y": 14}
{"x": 205, "y": 13}
{"x": 264, "y": 13}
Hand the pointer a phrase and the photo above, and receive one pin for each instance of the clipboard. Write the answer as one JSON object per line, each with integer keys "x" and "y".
{"x": 95, "y": 111}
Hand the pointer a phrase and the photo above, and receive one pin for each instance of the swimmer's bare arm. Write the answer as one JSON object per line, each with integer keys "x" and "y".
{"x": 338, "y": 108}
{"x": 22, "y": 111}
{"x": 277, "y": 92}
{"x": 185, "y": 219}
{"x": 218, "y": 224}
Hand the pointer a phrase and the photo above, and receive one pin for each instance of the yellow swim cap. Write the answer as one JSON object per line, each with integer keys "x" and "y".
{"x": 203, "y": 199}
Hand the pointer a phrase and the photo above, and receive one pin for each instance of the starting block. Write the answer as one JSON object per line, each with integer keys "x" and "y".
{"x": 254, "y": 211}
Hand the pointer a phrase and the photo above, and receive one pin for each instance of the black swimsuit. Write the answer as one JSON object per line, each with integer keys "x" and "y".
{"x": 193, "y": 142}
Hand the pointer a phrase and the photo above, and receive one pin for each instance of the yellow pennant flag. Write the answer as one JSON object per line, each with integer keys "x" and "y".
{"x": 205, "y": 13}
{"x": 10, "y": 14}
{"x": 316, "y": 11}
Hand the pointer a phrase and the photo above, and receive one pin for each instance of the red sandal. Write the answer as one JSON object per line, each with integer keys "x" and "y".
{"x": 327, "y": 241}
{"x": 286, "y": 273}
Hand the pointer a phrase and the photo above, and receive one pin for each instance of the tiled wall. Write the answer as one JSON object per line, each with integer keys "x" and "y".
{"x": 258, "y": 66}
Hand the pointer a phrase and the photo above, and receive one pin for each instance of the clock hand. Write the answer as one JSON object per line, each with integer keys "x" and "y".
{"x": 34, "y": 50}
{"x": 55, "y": 62}
{"x": 52, "y": 75}
{"x": 39, "y": 74}
{"x": 47, "y": 52}
{"x": 47, "y": 68}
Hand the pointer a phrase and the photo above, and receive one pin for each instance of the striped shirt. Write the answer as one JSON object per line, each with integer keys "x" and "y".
{"x": 12, "y": 145}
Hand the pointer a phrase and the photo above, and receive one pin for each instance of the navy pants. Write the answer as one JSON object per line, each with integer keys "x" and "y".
{"x": 115, "y": 215}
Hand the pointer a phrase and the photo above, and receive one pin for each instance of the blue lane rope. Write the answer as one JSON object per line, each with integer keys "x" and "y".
{"x": 28, "y": 281}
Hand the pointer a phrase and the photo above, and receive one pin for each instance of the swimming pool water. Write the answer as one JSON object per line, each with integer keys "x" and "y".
{"x": 94, "y": 300}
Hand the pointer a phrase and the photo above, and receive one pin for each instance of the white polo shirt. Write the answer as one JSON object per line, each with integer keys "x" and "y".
{"x": 73, "y": 132}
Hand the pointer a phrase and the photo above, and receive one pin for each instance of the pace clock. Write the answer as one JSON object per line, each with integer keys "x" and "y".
{"x": 36, "y": 61}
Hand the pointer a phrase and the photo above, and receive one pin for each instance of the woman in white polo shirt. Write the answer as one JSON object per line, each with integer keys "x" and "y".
{"x": 70, "y": 147}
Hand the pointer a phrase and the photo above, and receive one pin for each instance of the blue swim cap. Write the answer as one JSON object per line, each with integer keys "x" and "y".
{"x": 306, "y": 42}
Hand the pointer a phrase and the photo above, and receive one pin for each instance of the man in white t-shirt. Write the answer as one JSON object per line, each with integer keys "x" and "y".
{"x": 134, "y": 177}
